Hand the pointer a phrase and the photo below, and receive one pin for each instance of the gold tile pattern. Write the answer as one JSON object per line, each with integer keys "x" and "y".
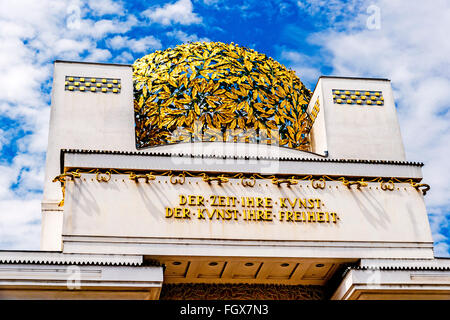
{"x": 91, "y": 84}
{"x": 358, "y": 97}
{"x": 315, "y": 110}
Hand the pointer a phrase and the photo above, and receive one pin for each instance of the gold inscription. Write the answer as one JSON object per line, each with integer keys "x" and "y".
{"x": 258, "y": 209}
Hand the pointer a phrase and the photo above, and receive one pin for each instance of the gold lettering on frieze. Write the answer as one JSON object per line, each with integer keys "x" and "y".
{"x": 178, "y": 213}
{"x": 251, "y": 209}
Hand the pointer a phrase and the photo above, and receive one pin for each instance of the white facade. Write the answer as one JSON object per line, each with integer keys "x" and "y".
{"x": 366, "y": 201}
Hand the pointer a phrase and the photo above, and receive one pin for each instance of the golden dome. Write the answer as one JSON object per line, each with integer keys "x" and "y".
{"x": 218, "y": 92}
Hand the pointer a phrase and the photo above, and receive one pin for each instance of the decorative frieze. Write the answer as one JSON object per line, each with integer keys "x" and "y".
{"x": 242, "y": 291}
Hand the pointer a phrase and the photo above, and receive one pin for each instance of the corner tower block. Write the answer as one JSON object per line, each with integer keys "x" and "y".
{"x": 92, "y": 109}
{"x": 355, "y": 118}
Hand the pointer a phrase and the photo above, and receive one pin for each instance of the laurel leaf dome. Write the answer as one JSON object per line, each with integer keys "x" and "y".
{"x": 218, "y": 92}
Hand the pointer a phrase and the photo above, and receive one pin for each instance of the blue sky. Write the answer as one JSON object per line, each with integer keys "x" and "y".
{"x": 405, "y": 41}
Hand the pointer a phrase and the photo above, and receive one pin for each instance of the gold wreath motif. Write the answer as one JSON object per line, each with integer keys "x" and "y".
{"x": 389, "y": 185}
{"x": 421, "y": 187}
{"x": 105, "y": 177}
{"x": 62, "y": 176}
{"x": 248, "y": 182}
{"x": 289, "y": 181}
{"x": 220, "y": 179}
{"x": 147, "y": 177}
{"x": 358, "y": 183}
{"x": 316, "y": 184}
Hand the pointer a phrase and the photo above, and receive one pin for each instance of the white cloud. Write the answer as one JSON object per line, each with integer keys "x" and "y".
{"x": 137, "y": 45}
{"x": 210, "y": 2}
{"x": 180, "y": 12}
{"x": 303, "y": 66}
{"x": 184, "y": 37}
{"x": 99, "y": 55}
{"x": 118, "y": 42}
{"x": 20, "y": 223}
{"x": 101, "y": 28}
{"x": 4, "y": 137}
{"x": 408, "y": 48}
{"x": 441, "y": 249}
{"x": 125, "y": 57}
{"x": 70, "y": 47}
{"x": 144, "y": 44}
{"x": 32, "y": 35}
{"x": 333, "y": 9}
